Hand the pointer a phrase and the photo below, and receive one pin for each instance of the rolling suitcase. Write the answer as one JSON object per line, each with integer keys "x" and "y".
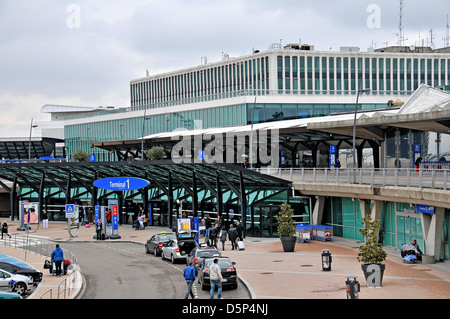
{"x": 241, "y": 245}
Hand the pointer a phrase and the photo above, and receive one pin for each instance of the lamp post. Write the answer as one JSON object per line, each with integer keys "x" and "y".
{"x": 29, "y": 141}
{"x": 250, "y": 147}
{"x": 142, "y": 140}
{"x": 354, "y": 131}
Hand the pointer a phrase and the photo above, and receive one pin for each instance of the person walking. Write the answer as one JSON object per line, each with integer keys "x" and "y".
{"x": 98, "y": 229}
{"x": 45, "y": 219}
{"x": 216, "y": 279}
{"x": 189, "y": 276}
{"x": 213, "y": 232}
{"x": 207, "y": 227}
{"x": 58, "y": 257}
{"x": 223, "y": 237}
{"x": 240, "y": 231}
{"x": 5, "y": 229}
{"x": 232, "y": 235}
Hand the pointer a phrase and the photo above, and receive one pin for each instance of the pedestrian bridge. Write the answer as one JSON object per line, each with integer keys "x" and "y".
{"x": 421, "y": 186}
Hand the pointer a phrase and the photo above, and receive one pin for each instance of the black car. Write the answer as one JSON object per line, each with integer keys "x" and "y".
{"x": 199, "y": 253}
{"x": 227, "y": 268}
{"x": 22, "y": 269}
{"x": 154, "y": 244}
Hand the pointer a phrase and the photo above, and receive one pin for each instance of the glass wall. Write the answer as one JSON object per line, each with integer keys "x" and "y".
{"x": 79, "y": 137}
{"x": 400, "y": 223}
{"x": 268, "y": 112}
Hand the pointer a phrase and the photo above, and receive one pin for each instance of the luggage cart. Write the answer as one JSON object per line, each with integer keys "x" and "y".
{"x": 322, "y": 232}
{"x": 303, "y": 233}
{"x": 409, "y": 253}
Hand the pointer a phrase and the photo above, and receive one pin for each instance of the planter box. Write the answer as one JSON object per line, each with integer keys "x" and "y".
{"x": 288, "y": 243}
{"x": 373, "y": 274}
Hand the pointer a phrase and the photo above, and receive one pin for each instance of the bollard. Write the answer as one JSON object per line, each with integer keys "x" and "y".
{"x": 326, "y": 260}
{"x": 352, "y": 287}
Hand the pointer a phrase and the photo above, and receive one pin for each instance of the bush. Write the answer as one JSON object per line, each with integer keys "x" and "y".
{"x": 371, "y": 252}
{"x": 286, "y": 227}
{"x": 156, "y": 153}
{"x": 81, "y": 156}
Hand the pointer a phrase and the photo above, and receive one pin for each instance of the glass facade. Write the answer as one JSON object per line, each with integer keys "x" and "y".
{"x": 400, "y": 223}
{"x": 347, "y": 74}
{"x": 79, "y": 136}
{"x": 268, "y": 112}
{"x": 199, "y": 85}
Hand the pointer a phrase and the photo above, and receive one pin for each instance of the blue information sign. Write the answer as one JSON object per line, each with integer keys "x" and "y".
{"x": 424, "y": 209}
{"x": 121, "y": 183}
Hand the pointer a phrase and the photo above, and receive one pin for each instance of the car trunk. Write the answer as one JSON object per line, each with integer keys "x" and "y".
{"x": 186, "y": 241}
{"x": 186, "y": 246}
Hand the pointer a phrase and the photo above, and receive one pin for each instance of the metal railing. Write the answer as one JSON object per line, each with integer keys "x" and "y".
{"x": 400, "y": 177}
{"x": 31, "y": 245}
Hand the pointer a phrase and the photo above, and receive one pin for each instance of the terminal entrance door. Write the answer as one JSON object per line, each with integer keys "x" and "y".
{"x": 269, "y": 221}
{"x": 409, "y": 228}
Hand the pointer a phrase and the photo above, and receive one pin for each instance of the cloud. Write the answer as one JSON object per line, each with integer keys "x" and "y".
{"x": 46, "y": 61}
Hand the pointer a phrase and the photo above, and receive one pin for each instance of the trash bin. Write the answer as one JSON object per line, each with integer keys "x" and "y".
{"x": 326, "y": 260}
{"x": 352, "y": 287}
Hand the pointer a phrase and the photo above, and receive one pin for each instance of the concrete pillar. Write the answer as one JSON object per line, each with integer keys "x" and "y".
{"x": 317, "y": 214}
{"x": 432, "y": 226}
{"x": 374, "y": 212}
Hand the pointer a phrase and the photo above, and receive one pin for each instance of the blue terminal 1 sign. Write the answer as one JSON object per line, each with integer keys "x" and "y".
{"x": 121, "y": 183}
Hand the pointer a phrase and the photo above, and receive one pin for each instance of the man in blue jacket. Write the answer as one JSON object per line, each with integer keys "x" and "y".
{"x": 58, "y": 257}
{"x": 189, "y": 275}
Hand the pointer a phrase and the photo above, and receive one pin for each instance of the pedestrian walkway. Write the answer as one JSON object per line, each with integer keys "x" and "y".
{"x": 267, "y": 271}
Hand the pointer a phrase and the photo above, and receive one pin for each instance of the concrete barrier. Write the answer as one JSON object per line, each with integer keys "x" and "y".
{"x": 428, "y": 259}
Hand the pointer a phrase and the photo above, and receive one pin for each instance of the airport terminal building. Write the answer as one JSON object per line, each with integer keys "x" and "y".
{"x": 296, "y": 94}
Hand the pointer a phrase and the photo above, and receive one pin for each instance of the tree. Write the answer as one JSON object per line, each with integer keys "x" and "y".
{"x": 156, "y": 153}
{"x": 80, "y": 156}
{"x": 371, "y": 252}
{"x": 286, "y": 227}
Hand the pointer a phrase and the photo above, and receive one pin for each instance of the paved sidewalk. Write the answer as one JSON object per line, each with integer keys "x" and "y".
{"x": 269, "y": 272}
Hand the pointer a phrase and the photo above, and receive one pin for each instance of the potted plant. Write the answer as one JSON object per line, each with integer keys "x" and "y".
{"x": 371, "y": 254}
{"x": 286, "y": 227}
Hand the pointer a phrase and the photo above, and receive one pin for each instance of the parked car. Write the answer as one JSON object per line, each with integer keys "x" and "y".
{"x": 227, "y": 268}
{"x": 179, "y": 248}
{"x": 20, "y": 268}
{"x": 199, "y": 253}
{"x": 155, "y": 244}
{"x": 23, "y": 284}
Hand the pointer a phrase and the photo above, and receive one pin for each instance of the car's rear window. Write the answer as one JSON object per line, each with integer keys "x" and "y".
{"x": 223, "y": 263}
{"x": 166, "y": 237}
{"x": 208, "y": 253}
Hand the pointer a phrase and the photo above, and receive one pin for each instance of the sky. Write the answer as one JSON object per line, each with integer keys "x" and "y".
{"x": 86, "y": 52}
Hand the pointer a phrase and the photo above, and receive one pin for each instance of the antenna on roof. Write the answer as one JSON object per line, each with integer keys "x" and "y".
{"x": 401, "y": 38}
{"x": 447, "y": 34}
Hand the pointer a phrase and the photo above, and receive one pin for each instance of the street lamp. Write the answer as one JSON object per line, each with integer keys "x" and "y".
{"x": 250, "y": 147}
{"x": 142, "y": 140}
{"x": 354, "y": 130}
{"x": 29, "y": 141}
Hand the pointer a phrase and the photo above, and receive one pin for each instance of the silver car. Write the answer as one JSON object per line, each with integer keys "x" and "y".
{"x": 179, "y": 249}
{"x": 22, "y": 284}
